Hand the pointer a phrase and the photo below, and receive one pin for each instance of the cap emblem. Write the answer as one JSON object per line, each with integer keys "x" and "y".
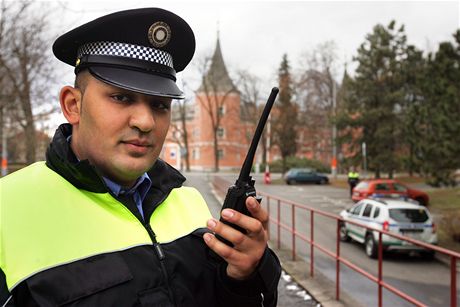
{"x": 159, "y": 34}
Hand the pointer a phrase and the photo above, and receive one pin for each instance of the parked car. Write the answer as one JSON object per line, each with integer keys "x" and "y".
{"x": 406, "y": 218}
{"x": 388, "y": 188}
{"x": 305, "y": 175}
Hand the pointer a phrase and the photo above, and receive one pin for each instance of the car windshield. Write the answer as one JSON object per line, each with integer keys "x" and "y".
{"x": 363, "y": 185}
{"x": 382, "y": 187}
{"x": 409, "y": 215}
{"x": 399, "y": 187}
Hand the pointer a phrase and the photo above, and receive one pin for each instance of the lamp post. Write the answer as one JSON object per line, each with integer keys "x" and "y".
{"x": 363, "y": 147}
{"x": 334, "y": 133}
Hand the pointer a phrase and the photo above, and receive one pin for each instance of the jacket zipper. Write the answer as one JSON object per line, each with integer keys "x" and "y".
{"x": 156, "y": 246}
{"x": 161, "y": 256}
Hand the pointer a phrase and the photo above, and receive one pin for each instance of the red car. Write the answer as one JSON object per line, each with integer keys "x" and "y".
{"x": 387, "y": 188}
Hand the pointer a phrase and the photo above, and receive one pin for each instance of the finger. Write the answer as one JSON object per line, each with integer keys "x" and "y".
{"x": 227, "y": 232}
{"x": 257, "y": 211}
{"x": 228, "y": 253}
{"x": 251, "y": 224}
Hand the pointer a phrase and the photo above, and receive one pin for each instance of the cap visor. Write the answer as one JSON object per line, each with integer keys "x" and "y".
{"x": 138, "y": 81}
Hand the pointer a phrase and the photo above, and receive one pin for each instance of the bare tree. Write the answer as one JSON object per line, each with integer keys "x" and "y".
{"x": 25, "y": 62}
{"x": 316, "y": 90}
{"x": 213, "y": 94}
{"x": 181, "y": 114}
{"x": 252, "y": 106}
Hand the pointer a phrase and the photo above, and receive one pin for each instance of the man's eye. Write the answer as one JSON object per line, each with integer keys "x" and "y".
{"x": 162, "y": 106}
{"x": 122, "y": 98}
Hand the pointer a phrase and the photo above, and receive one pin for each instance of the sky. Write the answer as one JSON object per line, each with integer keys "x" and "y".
{"x": 254, "y": 35}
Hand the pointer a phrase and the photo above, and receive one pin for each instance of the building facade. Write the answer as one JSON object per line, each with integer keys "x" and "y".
{"x": 215, "y": 124}
{"x": 218, "y": 115}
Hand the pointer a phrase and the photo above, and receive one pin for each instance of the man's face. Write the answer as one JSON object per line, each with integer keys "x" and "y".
{"x": 119, "y": 131}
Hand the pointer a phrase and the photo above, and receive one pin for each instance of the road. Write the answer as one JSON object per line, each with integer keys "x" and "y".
{"x": 427, "y": 281}
{"x": 290, "y": 294}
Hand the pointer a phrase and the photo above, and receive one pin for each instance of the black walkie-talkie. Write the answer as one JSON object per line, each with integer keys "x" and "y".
{"x": 244, "y": 185}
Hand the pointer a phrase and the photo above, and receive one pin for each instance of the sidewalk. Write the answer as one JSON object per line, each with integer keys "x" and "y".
{"x": 319, "y": 287}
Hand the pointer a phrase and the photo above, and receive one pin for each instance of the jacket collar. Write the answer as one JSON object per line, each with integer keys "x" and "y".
{"x": 83, "y": 175}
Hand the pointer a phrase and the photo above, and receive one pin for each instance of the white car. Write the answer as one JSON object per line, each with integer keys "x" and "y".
{"x": 402, "y": 217}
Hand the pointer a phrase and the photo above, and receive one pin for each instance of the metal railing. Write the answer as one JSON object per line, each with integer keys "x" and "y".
{"x": 221, "y": 185}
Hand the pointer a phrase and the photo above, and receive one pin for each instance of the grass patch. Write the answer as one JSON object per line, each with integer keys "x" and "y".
{"x": 445, "y": 198}
{"x": 445, "y": 206}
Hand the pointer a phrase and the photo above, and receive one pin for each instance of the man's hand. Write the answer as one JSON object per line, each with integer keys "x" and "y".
{"x": 248, "y": 248}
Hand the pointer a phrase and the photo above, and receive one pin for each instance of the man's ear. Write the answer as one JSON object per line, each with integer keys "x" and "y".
{"x": 70, "y": 99}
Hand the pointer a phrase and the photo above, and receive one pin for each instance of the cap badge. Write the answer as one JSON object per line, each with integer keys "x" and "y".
{"x": 159, "y": 34}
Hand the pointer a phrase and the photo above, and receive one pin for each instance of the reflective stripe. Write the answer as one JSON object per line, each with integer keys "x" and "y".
{"x": 46, "y": 221}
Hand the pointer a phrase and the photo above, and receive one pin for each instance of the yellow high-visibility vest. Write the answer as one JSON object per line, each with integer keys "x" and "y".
{"x": 353, "y": 175}
{"x": 45, "y": 222}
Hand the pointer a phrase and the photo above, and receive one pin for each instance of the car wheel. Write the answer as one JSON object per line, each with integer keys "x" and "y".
{"x": 428, "y": 255}
{"x": 371, "y": 247}
{"x": 323, "y": 181}
{"x": 291, "y": 182}
{"x": 421, "y": 201}
{"x": 344, "y": 234}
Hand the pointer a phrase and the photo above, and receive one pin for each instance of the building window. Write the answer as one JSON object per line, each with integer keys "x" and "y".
{"x": 196, "y": 153}
{"x": 196, "y": 132}
{"x": 221, "y": 110}
{"x": 220, "y": 154}
{"x": 220, "y": 132}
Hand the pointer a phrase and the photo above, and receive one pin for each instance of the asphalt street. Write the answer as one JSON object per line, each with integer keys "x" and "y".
{"x": 290, "y": 293}
{"x": 426, "y": 280}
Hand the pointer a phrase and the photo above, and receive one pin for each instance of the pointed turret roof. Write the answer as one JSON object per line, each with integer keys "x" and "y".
{"x": 217, "y": 77}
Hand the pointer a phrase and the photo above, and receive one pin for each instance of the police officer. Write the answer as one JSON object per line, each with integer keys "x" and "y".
{"x": 104, "y": 221}
{"x": 353, "y": 179}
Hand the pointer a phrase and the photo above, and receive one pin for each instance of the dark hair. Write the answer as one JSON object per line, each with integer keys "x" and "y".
{"x": 81, "y": 80}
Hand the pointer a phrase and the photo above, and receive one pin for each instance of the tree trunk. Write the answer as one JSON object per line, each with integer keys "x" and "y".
{"x": 390, "y": 174}
{"x": 29, "y": 129}
{"x": 283, "y": 166}
{"x": 216, "y": 151}
{"x": 185, "y": 138}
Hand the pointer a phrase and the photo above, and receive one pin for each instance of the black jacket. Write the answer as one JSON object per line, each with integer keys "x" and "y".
{"x": 182, "y": 273}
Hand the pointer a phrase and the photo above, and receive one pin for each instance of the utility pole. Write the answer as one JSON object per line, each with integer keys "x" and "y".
{"x": 363, "y": 145}
{"x": 334, "y": 131}
{"x": 267, "y": 178}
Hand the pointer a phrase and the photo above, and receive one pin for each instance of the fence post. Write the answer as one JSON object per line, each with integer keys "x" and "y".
{"x": 453, "y": 281}
{"x": 380, "y": 268}
{"x": 279, "y": 225}
{"x": 312, "y": 242}
{"x": 293, "y": 232}
{"x": 268, "y": 212}
{"x": 337, "y": 265}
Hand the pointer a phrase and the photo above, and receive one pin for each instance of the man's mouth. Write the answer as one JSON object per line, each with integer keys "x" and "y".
{"x": 137, "y": 147}
{"x": 140, "y": 143}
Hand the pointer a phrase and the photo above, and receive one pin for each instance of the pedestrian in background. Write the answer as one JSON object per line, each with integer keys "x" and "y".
{"x": 353, "y": 179}
{"x": 104, "y": 221}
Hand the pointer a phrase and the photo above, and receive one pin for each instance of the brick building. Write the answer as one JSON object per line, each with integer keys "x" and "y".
{"x": 217, "y": 104}
{"x": 216, "y": 115}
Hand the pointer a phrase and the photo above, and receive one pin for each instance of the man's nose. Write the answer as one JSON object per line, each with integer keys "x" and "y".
{"x": 142, "y": 117}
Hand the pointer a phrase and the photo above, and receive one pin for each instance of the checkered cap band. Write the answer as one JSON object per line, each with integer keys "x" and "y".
{"x": 126, "y": 50}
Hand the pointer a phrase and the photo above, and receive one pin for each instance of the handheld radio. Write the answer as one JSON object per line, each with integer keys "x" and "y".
{"x": 244, "y": 185}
